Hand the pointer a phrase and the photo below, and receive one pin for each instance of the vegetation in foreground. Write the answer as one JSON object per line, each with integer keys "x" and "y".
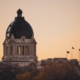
{"x": 51, "y": 71}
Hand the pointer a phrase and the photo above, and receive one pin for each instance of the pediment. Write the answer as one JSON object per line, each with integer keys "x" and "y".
{"x": 23, "y": 39}
{"x": 5, "y": 42}
{"x": 34, "y": 41}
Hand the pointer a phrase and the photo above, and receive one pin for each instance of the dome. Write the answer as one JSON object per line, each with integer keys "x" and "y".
{"x": 19, "y": 27}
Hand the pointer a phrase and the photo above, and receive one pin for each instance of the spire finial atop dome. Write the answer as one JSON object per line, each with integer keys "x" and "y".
{"x": 19, "y": 13}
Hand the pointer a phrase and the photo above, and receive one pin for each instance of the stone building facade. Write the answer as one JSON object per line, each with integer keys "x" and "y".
{"x": 19, "y": 45}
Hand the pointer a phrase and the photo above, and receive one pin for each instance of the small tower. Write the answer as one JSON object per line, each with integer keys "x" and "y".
{"x": 19, "y": 46}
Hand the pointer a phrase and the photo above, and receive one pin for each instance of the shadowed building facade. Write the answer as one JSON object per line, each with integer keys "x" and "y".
{"x": 19, "y": 45}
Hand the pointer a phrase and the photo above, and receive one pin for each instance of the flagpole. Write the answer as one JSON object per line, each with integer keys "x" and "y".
{"x": 71, "y": 54}
{"x": 79, "y": 55}
{"x": 66, "y": 54}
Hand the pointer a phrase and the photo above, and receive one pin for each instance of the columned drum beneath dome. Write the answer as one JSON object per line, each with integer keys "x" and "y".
{"x": 19, "y": 45}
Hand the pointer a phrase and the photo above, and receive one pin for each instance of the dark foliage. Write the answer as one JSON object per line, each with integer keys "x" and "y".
{"x": 52, "y": 71}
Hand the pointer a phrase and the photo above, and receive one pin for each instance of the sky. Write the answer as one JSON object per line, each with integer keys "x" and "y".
{"x": 56, "y": 25}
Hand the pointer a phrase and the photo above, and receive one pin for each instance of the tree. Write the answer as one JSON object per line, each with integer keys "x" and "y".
{"x": 8, "y": 72}
{"x": 24, "y": 76}
{"x": 57, "y": 71}
{"x": 29, "y": 73}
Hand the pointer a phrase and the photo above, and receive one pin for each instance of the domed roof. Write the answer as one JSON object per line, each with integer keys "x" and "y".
{"x": 19, "y": 27}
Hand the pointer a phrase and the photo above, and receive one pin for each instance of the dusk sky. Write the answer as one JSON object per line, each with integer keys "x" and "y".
{"x": 56, "y": 25}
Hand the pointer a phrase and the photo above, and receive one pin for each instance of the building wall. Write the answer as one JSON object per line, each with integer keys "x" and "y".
{"x": 20, "y": 51}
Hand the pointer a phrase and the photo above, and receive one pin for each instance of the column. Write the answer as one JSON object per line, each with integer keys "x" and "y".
{"x": 11, "y": 48}
{"x": 30, "y": 49}
{"x": 19, "y": 50}
{"x": 4, "y": 50}
{"x": 33, "y": 49}
{"x": 8, "y": 50}
{"x": 15, "y": 49}
{"x": 24, "y": 50}
{"x": 27, "y": 50}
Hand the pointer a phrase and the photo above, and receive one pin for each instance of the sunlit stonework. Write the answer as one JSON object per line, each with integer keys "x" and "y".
{"x": 19, "y": 45}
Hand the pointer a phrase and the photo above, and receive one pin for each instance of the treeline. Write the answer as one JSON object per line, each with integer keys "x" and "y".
{"x": 51, "y": 71}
